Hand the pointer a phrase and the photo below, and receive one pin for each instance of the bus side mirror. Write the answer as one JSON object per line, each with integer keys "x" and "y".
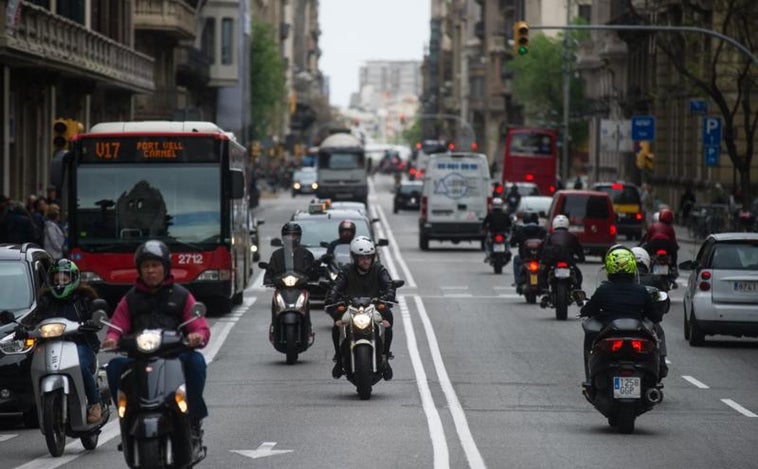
{"x": 238, "y": 184}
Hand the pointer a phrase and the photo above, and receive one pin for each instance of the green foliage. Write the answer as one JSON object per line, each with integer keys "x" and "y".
{"x": 267, "y": 81}
{"x": 412, "y": 133}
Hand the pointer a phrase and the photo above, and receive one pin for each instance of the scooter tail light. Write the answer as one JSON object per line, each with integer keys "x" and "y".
{"x": 562, "y": 265}
{"x": 610, "y": 345}
{"x": 661, "y": 252}
{"x": 499, "y": 238}
{"x": 121, "y": 404}
{"x": 180, "y": 397}
{"x": 534, "y": 266}
{"x": 641, "y": 345}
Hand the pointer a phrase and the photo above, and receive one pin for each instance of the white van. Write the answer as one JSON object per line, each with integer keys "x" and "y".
{"x": 454, "y": 198}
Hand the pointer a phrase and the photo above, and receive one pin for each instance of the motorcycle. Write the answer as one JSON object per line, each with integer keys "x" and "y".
{"x": 290, "y": 331}
{"x": 152, "y": 399}
{"x": 662, "y": 266}
{"x": 561, "y": 279}
{"x": 499, "y": 254}
{"x": 362, "y": 341}
{"x": 624, "y": 367}
{"x": 57, "y": 381}
{"x": 529, "y": 270}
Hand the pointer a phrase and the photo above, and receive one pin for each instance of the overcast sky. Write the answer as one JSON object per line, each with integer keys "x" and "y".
{"x": 355, "y": 31}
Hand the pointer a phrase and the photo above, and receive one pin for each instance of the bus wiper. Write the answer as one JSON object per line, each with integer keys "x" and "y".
{"x": 188, "y": 246}
{"x": 117, "y": 247}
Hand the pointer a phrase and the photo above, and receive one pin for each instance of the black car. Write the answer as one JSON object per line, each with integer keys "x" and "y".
{"x": 407, "y": 196}
{"x": 255, "y": 245}
{"x": 23, "y": 273}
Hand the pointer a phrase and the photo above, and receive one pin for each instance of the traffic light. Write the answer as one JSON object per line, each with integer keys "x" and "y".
{"x": 645, "y": 159}
{"x": 520, "y": 38}
{"x": 60, "y": 134}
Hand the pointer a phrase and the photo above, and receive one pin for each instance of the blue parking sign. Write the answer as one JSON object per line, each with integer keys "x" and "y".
{"x": 711, "y": 140}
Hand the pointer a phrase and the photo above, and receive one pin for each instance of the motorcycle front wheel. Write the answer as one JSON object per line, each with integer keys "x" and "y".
{"x": 290, "y": 335}
{"x": 52, "y": 422}
{"x": 363, "y": 371}
{"x": 150, "y": 454}
{"x": 90, "y": 441}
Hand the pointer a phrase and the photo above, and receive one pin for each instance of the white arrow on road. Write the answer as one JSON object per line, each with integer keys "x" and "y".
{"x": 266, "y": 449}
{"x": 7, "y": 437}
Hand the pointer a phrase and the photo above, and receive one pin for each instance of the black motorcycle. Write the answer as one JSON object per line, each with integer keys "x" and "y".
{"x": 499, "y": 255}
{"x": 561, "y": 279}
{"x": 624, "y": 367}
{"x": 152, "y": 399}
{"x": 290, "y": 330}
{"x": 662, "y": 266}
{"x": 528, "y": 284}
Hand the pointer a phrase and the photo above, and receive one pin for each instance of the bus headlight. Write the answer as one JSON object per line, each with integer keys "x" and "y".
{"x": 215, "y": 275}
{"x": 89, "y": 277}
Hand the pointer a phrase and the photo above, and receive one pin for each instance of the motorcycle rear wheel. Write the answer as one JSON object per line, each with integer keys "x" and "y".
{"x": 561, "y": 301}
{"x": 52, "y": 422}
{"x": 531, "y": 298}
{"x": 625, "y": 420}
{"x": 290, "y": 335}
{"x": 498, "y": 267}
{"x": 363, "y": 371}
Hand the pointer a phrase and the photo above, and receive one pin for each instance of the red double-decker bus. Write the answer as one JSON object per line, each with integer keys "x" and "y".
{"x": 531, "y": 155}
{"x": 184, "y": 183}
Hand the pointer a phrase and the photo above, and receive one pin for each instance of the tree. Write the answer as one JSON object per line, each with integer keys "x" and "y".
{"x": 267, "y": 81}
{"x": 716, "y": 69}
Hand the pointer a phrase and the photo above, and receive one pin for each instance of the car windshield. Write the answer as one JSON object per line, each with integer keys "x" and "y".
{"x": 535, "y": 204}
{"x": 304, "y": 176}
{"x": 531, "y": 144}
{"x": 319, "y": 229}
{"x": 410, "y": 188}
{"x": 15, "y": 286}
{"x": 742, "y": 255}
{"x": 581, "y": 206}
{"x": 622, "y": 195}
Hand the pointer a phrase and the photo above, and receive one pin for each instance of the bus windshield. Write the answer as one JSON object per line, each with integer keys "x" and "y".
{"x": 133, "y": 202}
{"x": 531, "y": 144}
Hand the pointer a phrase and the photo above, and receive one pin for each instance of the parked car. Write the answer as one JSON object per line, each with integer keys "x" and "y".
{"x": 255, "y": 244}
{"x": 627, "y": 203}
{"x": 23, "y": 273}
{"x": 722, "y": 288}
{"x": 590, "y": 215}
{"x": 539, "y": 204}
{"x": 407, "y": 196}
{"x": 304, "y": 181}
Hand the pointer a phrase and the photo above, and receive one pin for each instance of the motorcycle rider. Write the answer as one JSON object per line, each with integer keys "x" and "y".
{"x": 496, "y": 221}
{"x": 561, "y": 245}
{"x": 529, "y": 230}
{"x": 65, "y": 296}
{"x": 346, "y": 232}
{"x": 619, "y": 297}
{"x": 156, "y": 301}
{"x": 661, "y": 235}
{"x": 302, "y": 257}
{"x": 513, "y": 198}
{"x": 364, "y": 277}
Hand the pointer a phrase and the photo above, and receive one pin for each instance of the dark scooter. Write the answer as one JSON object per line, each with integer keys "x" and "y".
{"x": 561, "y": 279}
{"x": 529, "y": 285}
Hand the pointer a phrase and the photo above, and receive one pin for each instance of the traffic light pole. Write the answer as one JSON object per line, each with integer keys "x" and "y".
{"x": 565, "y": 167}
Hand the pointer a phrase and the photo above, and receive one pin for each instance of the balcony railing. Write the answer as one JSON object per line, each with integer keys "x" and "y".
{"x": 175, "y": 17}
{"x": 58, "y": 43}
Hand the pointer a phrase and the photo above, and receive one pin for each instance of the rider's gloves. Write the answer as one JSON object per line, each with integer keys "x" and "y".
{"x": 90, "y": 325}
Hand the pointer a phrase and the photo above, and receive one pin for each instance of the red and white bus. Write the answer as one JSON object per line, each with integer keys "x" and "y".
{"x": 184, "y": 183}
{"x": 531, "y": 155}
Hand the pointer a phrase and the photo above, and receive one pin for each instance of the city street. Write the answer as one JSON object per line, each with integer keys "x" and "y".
{"x": 481, "y": 379}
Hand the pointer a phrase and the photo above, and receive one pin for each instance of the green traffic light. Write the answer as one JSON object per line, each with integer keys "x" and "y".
{"x": 522, "y": 50}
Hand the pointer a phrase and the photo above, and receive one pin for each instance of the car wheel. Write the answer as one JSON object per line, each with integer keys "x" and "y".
{"x": 423, "y": 242}
{"x": 686, "y": 325}
{"x": 394, "y": 208}
{"x": 697, "y": 336}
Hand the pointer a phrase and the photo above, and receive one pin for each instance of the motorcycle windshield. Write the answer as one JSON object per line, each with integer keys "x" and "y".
{"x": 288, "y": 249}
{"x": 342, "y": 254}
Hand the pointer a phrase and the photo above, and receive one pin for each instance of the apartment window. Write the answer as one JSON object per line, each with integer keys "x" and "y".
{"x": 585, "y": 12}
{"x": 227, "y": 40}
{"x": 208, "y": 42}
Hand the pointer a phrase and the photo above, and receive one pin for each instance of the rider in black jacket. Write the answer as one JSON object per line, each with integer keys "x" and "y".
{"x": 365, "y": 277}
{"x": 529, "y": 230}
{"x": 496, "y": 221}
{"x": 302, "y": 257}
{"x": 561, "y": 245}
{"x": 618, "y": 297}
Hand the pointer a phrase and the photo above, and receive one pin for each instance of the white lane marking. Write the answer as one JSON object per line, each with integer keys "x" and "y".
{"x": 681, "y": 282}
{"x": 457, "y": 295}
{"x": 456, "y": 410}
{"x": 508, "y": 295}
{"x": 454, "y": 288}
{"x": 8, "y": 436}
{"x": 738, "y": 408}
{"x": 219, "y": 331}
{"x": 697, "y": 383}
{"x": 408, "y": 277}
{"x": 433, "y": 420}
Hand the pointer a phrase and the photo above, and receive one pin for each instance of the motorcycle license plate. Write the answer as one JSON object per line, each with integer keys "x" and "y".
{"x": 562, "y": 273}
{"x": 532, "y": 279}
{"x": 498, "y": 247}
{"x": 627, "y": 387}
{"x": 660, "y": 269}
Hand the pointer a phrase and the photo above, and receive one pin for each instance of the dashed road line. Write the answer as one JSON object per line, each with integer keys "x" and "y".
{"x": 698, "y": 384}
{"x": 738, "y": 408}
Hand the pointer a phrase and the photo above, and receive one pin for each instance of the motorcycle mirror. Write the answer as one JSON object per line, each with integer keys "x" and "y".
{"x": 382, "y": 242}
{"x": 6, "y": 317}
{"x": 100, "y": 304}
{"x": 198, "y": 309}
{"x": 276, "y": 242}
{"x": 260, "y": 222}
{"x": 100, "y": 315}
{"x": 662, "y": 296}
{"x": 263, "y": 265}
{"x": 398, "y": 283}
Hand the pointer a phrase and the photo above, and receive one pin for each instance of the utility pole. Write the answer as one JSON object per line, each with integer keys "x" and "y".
{"x": 566, "y": 98}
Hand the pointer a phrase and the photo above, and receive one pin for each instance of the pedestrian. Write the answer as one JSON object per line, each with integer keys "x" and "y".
{"x": 686, "y": 203}
{"x": 19, "y": 225}
{"x": 54, "y": 236}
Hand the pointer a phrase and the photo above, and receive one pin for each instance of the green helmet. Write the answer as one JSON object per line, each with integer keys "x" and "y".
{"x": 62, "y": 286}
{"x": 620, "y": 261}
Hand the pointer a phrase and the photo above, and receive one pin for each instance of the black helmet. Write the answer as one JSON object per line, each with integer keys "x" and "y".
{"x": 293, "y": 230}
{"x": 531, "y": 217}
{"x": 347, "y": 230}
{"x": 153, "y": 249}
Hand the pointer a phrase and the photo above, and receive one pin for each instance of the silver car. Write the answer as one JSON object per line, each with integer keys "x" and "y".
{"x": 722, "y": 290}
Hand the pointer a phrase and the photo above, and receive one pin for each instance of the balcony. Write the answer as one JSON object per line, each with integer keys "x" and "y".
{"x": 193, "y": 67}
{"x": 173, "y": 17}
{"x": 42, "y": 39}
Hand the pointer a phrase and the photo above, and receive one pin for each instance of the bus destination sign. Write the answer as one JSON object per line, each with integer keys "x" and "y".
{"x": 149, "y": 149}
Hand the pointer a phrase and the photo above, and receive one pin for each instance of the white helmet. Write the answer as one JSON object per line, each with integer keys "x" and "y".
{"x": 497, "y": 202}
{"x": 642, "y": 256}
{"x": 656, "y": 217}
{"x": 362, "y": 246}
{"x": 560, "y": 221}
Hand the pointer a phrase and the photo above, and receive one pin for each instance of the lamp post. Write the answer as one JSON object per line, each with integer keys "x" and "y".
{"x": 566, "y": 99}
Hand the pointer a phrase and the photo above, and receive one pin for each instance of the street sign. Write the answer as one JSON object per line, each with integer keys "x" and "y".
{"x": 698, "y": 106}
{"x": 643, "y": 128}
{"x": 711, "y": 140}
{"x": 615, "y": 136}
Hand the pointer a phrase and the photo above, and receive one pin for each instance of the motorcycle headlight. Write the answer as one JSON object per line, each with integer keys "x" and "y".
{"x": 149, "y": 341}
{"x": 361, "y": 320}
{"x": 333, "y": 275}
{"x": 290, "y": 280}
{"x": 54, "y": 329}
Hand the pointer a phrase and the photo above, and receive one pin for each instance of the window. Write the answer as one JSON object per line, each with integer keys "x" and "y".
{"x": 341, "y": 161}
{"x": 735, "y": 256}
{"x": 208, "y": 45}
{"x": 579, "y": 207}
{"x": 527, "y": 144}
{"x": 227, "y": 41}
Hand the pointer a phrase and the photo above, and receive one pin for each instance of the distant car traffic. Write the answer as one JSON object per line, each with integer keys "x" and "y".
{"x": 539, "y": 204}
{"x": 304, "y": 181}
{"x": 627, "y": 203}
{"x": 359, "y": 207}
{"x": 722, "y": 288}
{"x": 407, "y": 196}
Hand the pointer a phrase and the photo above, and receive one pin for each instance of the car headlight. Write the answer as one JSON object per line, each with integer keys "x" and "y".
{"x": 290, "y": 280}
{"x": 361, "y": 320}
{"x": 149, "y": 341}
{"x": 54, "y": 329}
{"x": 314, "y": 186}
{"x": 296, "y": 186}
